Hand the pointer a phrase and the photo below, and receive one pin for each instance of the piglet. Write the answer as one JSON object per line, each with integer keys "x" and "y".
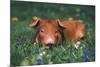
{"x": 50, "y": 32}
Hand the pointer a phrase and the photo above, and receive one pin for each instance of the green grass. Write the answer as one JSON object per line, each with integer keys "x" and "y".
{"x": 25, "y": 52}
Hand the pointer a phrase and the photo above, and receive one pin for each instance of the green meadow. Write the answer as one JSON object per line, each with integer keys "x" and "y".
{"x": 23, "y": 49}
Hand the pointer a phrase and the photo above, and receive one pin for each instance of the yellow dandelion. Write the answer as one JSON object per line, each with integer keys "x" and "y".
{"x": 14, "y": 18}
{"x": 70, "y": 18}
{"x": 35, "y": 18}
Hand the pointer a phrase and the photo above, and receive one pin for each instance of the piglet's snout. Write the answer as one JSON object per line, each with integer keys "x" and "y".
{"x": 49, "y": 41}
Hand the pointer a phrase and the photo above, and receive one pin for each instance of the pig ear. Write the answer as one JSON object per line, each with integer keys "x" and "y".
{"x": 60, "y": 24}
{"x": 35, "y": 24}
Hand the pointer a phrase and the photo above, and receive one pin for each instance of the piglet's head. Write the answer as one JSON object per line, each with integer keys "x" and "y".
{"x": 49, "y": 31}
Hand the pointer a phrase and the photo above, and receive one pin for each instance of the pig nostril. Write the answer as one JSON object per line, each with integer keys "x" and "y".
{"x": 49, "y": 44}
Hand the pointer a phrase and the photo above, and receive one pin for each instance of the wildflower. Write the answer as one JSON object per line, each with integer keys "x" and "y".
{"x": 35, "y": 18}
{"x": 39, "y": 61}
{"x": 41, "y": 54}
{"x": 89, "y": 53}
{"x": 85, "y": 57}
{"x": 44, "y": 52}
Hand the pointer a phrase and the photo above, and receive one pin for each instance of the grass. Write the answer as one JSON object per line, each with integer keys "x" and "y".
{"x": 25, "y": 52}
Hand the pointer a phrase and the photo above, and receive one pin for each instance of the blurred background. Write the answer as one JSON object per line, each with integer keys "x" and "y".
{"x": 25, "y": 52}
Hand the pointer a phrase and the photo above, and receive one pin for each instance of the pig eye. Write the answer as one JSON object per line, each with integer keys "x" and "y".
{"x": 56, "y": 31}
{"x": 41, "y": 30}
